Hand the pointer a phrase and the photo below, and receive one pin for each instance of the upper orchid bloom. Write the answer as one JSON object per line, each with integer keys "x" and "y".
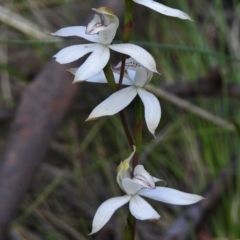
{"x": 138, "y": 76}
{"x": 142, "y": 184}
{"x": 163, "y": 9}
{"x": 101, "y": 32}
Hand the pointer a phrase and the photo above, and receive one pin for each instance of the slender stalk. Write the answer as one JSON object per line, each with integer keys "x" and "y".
{"x": 126, "y": 33}
{"x": 121, "y": 72}
{"x": 109, "y": 76}
{"x": 128, "y": 15}
{"x": 129, "y": 232}
{"x": 138, "y": 129}
{"x": 127, "y": 132}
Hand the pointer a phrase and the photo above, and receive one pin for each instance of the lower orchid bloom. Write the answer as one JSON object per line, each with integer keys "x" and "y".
{"x": 163, "y": 9}
{"x": 100, "y": 31}
{"x": 141, "y": 184}
{"x": 137, "y": 77}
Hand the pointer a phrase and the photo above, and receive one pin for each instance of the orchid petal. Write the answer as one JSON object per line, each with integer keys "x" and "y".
{"x": 72, "y": 53}
{"x": 142, "y": 177}
{"x": 106, "y": 36}
{"x": 94, "y": 63}
{"x": 142, "y": 77}
{"x": 171, "y": 196}
{"x": 130, "y": 186}
{"x": 100, "y": 77}
{"x": 78, "y": 31}
{"x": 131, "y": 74}
{"x": 114, "y": 104}
{"x": 163, "y": 9}
{"x": 136, "y": 52}
{"x": 142, "y": 210}
{"x": 130, "y": 64}
{"x": 152, "y": 109}
{"x": 106, "y": 210}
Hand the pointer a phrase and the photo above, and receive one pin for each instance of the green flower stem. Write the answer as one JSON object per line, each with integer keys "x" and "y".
{"x": 127, "y": 31}
{"x": 128, "y": 15}
{"x": 121, "y": 72}
{"x": 126, "y": 130}
{"x": 109, "y": 76}
{"x": 129, "y": 232}
{"x": 138, "y": 128}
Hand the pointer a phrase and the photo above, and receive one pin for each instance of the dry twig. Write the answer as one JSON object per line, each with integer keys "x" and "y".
{"x": 190, "y": 107}
{"x": 23, "y": 25}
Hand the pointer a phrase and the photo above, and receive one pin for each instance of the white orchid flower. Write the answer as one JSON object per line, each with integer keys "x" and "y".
{"x": 163, "y": 9}
{"x": 101, "y": 32}
{"x": 137, "y": 77}
{"x": 142, "y": 184}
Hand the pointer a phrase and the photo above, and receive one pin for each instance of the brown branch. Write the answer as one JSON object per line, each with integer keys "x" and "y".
{"x": 41, "y": 110}
{"x": 185, "y": 225}
{"x": 6, "y": 115}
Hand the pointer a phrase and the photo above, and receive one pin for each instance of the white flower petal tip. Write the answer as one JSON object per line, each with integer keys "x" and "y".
{"x": 187, "y": 17}
{"x": 159, "y": 180}
{"x": 72, "y": 70}
{"x": 91, "y": 119}
{"x": 156, "y": 220}
{"x": 158, "y": 7}
{"x": 78, "y": 81}
{"x": 53, "y": 34}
